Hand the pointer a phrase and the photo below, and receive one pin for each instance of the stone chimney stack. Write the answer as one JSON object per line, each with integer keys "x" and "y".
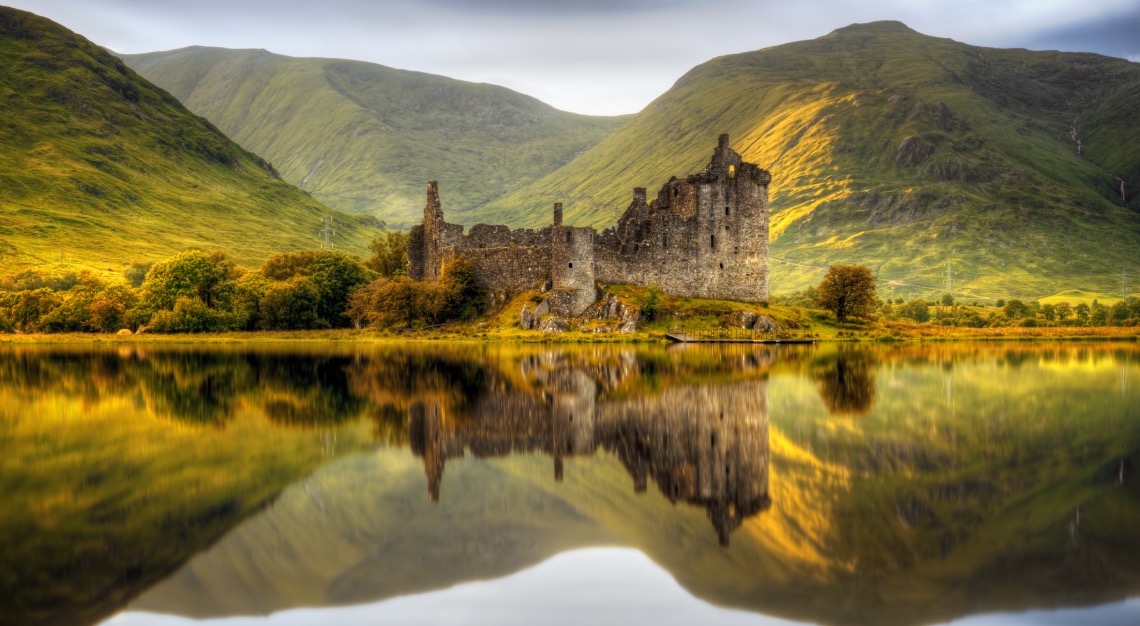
{"x": 433, "y": 212}
{"x": 557, "y": 214}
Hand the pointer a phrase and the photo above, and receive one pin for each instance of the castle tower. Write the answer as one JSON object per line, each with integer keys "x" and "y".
{"x": 572, "y": 267}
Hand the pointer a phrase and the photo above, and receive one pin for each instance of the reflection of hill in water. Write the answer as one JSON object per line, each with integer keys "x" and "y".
{"x": 953, "y": 491}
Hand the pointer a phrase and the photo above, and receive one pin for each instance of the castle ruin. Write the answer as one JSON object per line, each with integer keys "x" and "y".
{"x": 703, "y": 236}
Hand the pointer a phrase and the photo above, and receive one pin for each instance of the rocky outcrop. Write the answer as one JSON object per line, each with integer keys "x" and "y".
{"x": 741, "y": 319}
{"x": 552, "y": 324}
{"x": 766, "y": 324}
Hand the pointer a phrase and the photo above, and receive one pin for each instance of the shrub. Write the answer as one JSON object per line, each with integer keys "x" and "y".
{"x": 651, "y": 303}
{"x": 191, "y": 315}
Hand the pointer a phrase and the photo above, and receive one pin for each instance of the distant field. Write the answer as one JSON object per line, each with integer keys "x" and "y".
{"x": 1076, "y": 296}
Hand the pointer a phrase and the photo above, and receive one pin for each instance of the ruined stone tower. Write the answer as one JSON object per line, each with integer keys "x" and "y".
{"x": 571, "y": 267}
{"x": 704, "y": 236}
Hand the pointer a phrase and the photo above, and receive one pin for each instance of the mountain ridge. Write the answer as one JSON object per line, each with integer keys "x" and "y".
{"x": 364, "y": 137}
{"x": 900, "y": 151}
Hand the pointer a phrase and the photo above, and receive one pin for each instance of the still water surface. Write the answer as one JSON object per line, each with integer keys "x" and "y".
{"x": 969, "y": 483}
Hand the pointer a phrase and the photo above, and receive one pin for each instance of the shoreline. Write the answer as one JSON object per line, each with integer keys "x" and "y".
{"x": 653, "y": 336}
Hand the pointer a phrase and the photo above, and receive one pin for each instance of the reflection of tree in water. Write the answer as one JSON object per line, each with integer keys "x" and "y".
{"x": 196, "y": 387}
{"x": 305, "y": 392}
{"x": 847, "y": 382}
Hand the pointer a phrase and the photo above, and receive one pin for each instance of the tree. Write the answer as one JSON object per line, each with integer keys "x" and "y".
{"x": 389, "y": 255}
{"x": 135, "y": 272}
{"x": 334, "y": 274}
{"x": 847, "y": 291}
{"x": 291, "y": 305}
{"x": 947, "y": 299}
{"x": 1016, "y": 309}
{"x": 917, "y": 310}
{"x": 1082, "y": 311}
{"x": 193, "y": 274}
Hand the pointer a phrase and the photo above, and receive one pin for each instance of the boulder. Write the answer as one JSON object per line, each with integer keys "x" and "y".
{"x": 630, "y": 321}
{"x": 552, "y": 324}
{"x": 542, "y": 310}
{"x": 741, "y": 319}
{"x": 765, "y": 324}
{"x": 124, "y": 332}
{"x": 526, "y": 318}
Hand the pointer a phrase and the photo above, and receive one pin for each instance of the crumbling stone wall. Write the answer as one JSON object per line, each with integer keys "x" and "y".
{"x": 705, "y": 235}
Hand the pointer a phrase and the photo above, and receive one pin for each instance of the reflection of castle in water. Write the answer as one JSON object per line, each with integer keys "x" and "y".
{"x": 706, "y": 445}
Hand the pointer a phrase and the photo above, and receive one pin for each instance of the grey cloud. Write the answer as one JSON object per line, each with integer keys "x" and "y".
{"x": 1114, "y": 35}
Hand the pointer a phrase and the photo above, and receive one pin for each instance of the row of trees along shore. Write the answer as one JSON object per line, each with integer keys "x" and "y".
{"x": 320, "y": 289}
{"x": 849, "y": 291}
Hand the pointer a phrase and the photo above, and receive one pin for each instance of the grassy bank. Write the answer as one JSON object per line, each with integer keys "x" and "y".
{"x": 692, "y": 315}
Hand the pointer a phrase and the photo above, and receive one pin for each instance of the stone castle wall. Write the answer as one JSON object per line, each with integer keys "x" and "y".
{"x": 703, "y": 236}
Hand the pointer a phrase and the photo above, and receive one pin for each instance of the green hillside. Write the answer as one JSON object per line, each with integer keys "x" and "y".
{"x": 900, "y": 151}
{"x": 364, "y": 138}
{"x": 101, "y": 167}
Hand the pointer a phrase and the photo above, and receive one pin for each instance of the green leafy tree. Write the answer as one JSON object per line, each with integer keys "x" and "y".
{"x": 1049, "y": 312}
{"x": 191, "y": 315}
{"x": 1099, "y": 315}
{"x": 1082, "y": 311}
{"x": 211, "y": 278}
{"x": 1118, "y": 313}
{"x": 459, "y": 295}
{"x": 291, "y": 305}
{"x": 26, "y": 310}
{"x": 135, "y": 273}
{"x": 847, "y": 291}
{"x": 389, "y": 255}
{"x": 947, "y": 299}
{"x": 917, "y": 310}
{"x": 334, "y": 274}
{"x": 1016, "y": 309}
{"x": 1063, "y": 310}
{"x": 651, "y": 303}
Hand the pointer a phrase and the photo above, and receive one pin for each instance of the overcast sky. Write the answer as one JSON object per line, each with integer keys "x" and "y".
{"x": 588, "y": 56}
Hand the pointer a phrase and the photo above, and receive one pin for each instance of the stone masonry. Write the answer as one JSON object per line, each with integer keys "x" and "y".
{"x": 704, "y": 236}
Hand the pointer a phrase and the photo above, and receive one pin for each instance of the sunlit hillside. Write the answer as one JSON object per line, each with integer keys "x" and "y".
{"x": 99, "y": 167}
{"x": 900, "y": 151}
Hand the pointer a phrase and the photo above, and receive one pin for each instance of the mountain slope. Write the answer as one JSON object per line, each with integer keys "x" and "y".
{"x": 900, "y": 151}
{"x": 99, "y": 166}
{"x": 364, "y": 138}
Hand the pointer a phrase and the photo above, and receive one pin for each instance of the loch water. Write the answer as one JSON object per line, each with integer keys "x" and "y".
{"x": 973, "y": 483}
